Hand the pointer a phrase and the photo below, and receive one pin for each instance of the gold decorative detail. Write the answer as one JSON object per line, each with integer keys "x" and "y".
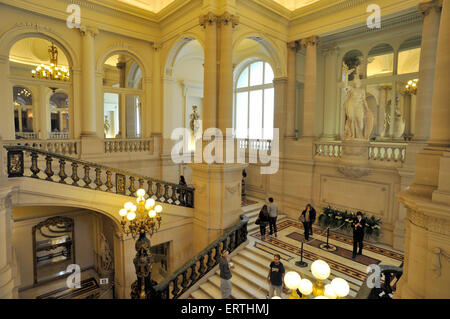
{"x": 208, "y": 18}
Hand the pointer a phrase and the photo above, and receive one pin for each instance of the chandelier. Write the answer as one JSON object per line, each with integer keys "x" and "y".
{"x": 338, "y": 288}
{"x": 52, "y": 72}
{"x": 411, "y": 87}
{"x": 143, "y": 218}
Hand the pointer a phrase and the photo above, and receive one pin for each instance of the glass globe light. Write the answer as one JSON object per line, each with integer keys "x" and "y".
{"x": 140, "y": 192}
{"x": 123, "y": 212}
{"x": 133, "y": 208}
{"x": 128, "y": 205}
{"x": 320, "y": 269}
{"x": 149, "y": 203}
{"x": 158, "y": 208}
{"x": 321, "y": 297}
{"x": 276, "y": 297}
{"x": 329, "y": 292}
{"x": 131, "y": 215}
{"x": 340, "y": 287}
{"x": 306, "y": 287}
{"x": 292, "y": 280}
{"x": 152, "y": 214}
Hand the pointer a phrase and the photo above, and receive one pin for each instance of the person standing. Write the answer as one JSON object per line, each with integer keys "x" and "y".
{"x": 308, "y": 217}
{"x": 276, "y": 276}
{"x": 263, "y": 218}
{"x": 358, "y": 226}
{"x": 273, "y": 214}
{"x": 225, "y": 275}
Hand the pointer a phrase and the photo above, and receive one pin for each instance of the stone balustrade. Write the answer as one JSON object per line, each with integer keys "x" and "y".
{"x": 64, "y": 146}
{"x": 129, "y": 145}
{"x": 260, "y": 145}
{"x": 380, "y": 152}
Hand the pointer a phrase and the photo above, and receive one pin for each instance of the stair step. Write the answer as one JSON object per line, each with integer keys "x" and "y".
{"x": 244, "y": 284}
{"x": 199, "y": 294}
{"x": 211, "y": 290}
{"x": 236, "y": 290}
{"x": 257, "y": 281}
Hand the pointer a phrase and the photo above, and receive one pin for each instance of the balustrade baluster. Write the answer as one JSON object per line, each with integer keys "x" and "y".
{"x": 141, "y": 183}
{"x": 132, "y": 189}
{"x": 48, "y": 169}
{"x": 98, "y": 180}
{"x": 150, "y": 188}
{"x": 62, "y": 173}
{"x": 34, "y": 165}
{"x": 182, "y": 196}
{"x": 184, "y": 282}
{"x": 166, "y": 193}
{"x": 193, "y": 276}
{"x": 75, "y": 177}
{"x": 158, "y": 190}
{"x": 202, "y": 267}
{"x": 210, "y": 263}
{"x": 174, "y": 194}
{"x": 86, "y": 179}
{"x": 109, "y": 185}
{"x": 175, "y": 289}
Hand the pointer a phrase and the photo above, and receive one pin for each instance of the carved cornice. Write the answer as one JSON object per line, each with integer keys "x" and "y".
{"x": 294, "y": 46}
{"x": 310, "y": 41}
{"x": 227, "y": 18}
{"x": 85, "y": 30}
{"x": 332, "y": 49}
{"x": 426, "y": 7}
{"x": 208, "y": 19}
{"x": 430, "y": 223}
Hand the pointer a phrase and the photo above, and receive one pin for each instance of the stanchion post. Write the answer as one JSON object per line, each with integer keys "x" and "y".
{"x": 301, "y": 263}
{"x": 328, "y": 235}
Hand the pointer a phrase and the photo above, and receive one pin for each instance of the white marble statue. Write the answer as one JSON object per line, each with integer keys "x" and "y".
{"x": 106, "y": 255}
{"x": 358, "y": 117}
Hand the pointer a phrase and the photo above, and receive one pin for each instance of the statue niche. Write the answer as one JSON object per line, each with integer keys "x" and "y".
{"x": 358, "y": 116}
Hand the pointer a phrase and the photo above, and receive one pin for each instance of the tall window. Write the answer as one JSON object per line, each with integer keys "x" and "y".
{"x": 254, "y": 102}
{"x": 23, "y": 112}
{"x": 59, "y": 115}
{"x": 122, "y": 87}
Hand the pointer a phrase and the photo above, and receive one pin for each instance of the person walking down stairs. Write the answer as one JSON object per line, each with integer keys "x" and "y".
{"x": 225, "y": 275}
{"x": 263, "y": 221}
{"x": 273, "y": 214}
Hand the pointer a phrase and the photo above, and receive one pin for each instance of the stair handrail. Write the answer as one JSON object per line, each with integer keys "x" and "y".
{"x": 226, "y": 241}
{"x": 15, "y": 168}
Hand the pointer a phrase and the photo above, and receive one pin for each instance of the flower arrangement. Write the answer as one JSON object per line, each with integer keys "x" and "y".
{"x": 334, "y": 218}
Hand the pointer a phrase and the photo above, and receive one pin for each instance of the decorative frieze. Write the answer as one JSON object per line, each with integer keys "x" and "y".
{"x": 430, "y": 223}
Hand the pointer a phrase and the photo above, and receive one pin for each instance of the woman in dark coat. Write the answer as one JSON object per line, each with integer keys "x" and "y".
{"x": 263, "y": 221}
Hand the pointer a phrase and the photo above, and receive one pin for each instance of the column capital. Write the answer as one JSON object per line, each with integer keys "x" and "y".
{"x": 293, "y": 45}
{"x": 426, "y": 7}
{"x": 157, "y": 46}
{"x": 280, "y": 80}
{"x": 228, "y": 18}
{"x": 86, "y": 30}
{"x": 209, "y": 18}
{"x": 310, "y": 41}
{"x": 330, "y": 50}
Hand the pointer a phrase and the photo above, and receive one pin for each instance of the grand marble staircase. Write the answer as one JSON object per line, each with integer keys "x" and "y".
{"x": 250, "y": 269}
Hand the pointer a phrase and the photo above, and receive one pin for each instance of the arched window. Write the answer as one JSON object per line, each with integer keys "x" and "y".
{"x": 409, "y": 55}
{"x": 122, "y": 97}
{"x": 59, "y": 115}
{"x": 254, "y": 102}
{"x": 23, "y": 112}
{"x": 380, "y": 61}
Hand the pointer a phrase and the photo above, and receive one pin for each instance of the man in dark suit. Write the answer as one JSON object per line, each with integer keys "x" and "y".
{"x": 358, "y": 226}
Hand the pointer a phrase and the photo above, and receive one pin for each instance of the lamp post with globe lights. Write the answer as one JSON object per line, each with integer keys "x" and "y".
{"x": 138, "y": 220}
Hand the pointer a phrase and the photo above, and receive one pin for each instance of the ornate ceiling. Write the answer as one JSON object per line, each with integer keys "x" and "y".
{"x": 157, "y": 5}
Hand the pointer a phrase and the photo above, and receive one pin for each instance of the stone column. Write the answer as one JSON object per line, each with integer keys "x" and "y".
{"x": 291, "y": 89}
{"x": 209, "y": 23}
{"x": 7, "y": 129}
{"x": 430, "y": 30}
{"x": 330, "y": 107}
{"x": 310, "y": 85}
{"x": 88, "y": 82}
{"x": 217, "y": 201}
{"x": 280, "y": 85}
{"x": 44, "y": 115}
{"x": 156, "y": 109}
{"x": 440, "y": 112}
{"x": 6, "y": 261}
{"x": 225, "y": 106}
